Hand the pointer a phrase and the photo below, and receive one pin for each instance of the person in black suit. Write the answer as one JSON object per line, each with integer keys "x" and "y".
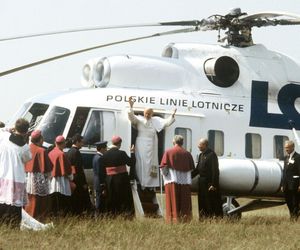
{"x": 209, "y": 197}
{"x": 80, "y": 198}
{"x": 99, "y": 177}
{"x": 291, "y": 175}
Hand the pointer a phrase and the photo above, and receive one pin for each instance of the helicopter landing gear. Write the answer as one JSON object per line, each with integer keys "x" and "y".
{"x": 229, "y": 206}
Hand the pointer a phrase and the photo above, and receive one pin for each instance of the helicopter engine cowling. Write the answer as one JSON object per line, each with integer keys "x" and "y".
{"x": 96, "y": 73}
{"x": 250, "y": 177}
{"x": 222, "y": 71}
{"x": 139, "y": 72}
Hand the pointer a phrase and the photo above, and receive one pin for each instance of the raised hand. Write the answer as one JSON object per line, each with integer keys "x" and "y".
{"x": 132, "y": 149}
{"x": 131, "y": 102}
{"x": 174, "y": 112}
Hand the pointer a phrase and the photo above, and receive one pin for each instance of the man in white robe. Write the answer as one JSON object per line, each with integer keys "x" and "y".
{"x": 14, "y": 153}
{"x": 146, "y": 145}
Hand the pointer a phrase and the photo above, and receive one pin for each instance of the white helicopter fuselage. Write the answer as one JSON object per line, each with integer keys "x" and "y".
{"x": 246, "y": 118}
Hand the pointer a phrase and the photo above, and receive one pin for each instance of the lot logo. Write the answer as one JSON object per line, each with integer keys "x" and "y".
{"x": 286, "y": 101}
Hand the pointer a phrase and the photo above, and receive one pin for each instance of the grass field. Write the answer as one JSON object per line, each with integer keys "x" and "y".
{"x": 262, "y": 229}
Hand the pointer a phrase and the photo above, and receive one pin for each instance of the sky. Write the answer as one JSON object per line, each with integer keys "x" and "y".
{"x": 35, "y": 16}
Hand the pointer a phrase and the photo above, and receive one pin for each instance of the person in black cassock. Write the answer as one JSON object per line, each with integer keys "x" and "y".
{"x": 290, "y": 180}
{"x": 99, "y": 177}
{"x": 119, "y": 195}
{"x": 80, "y": 198}
{"x": 209, "y": 197}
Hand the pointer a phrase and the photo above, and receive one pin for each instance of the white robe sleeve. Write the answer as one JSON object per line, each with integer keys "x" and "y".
{"x": 160, "y": 123}
{"x": 169, "y": 121}
{"x": 132, "y": 117}
{"x": 3, "y": 134}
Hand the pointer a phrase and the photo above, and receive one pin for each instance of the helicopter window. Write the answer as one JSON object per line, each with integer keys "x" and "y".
{"x": 95, "y": 131}
{"x": 186, "y": 133}
{"x": 55, "y": 123}
{"x": 20, "y": 112}
{"x": 216, "y": 141}
{"x": 35, "y": 114}
{"x": 79, "y": 120}
{"x": 253, "y": 145}
{"x": 279, "y": 141}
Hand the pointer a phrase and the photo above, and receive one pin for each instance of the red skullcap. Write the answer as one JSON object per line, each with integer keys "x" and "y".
{"x": 116, "y": 139}
{"x": 59, "y": 139}
{"x": 36, "y": 134}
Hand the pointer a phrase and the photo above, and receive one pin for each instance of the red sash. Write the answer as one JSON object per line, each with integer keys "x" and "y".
{"x": 116, "y": 170}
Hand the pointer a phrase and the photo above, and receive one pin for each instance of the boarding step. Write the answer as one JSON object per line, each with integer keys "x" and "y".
{"x": 146, "y": 203}
{"x": 150, "y": 209}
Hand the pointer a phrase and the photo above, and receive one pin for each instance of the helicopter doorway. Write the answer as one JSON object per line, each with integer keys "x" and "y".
{"x": 94, "y": 125}
{"x": 144, "y": 194}
{"x": 160, "y": 136}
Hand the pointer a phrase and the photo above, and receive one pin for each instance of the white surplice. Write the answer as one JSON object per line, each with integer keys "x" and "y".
{"x": 12, "y": 172}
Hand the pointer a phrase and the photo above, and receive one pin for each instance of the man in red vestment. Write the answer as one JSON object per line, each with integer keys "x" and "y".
{"x": 38, "y": 171}
{"x": 60, "y": 187}
{"x": 176, "y": 166}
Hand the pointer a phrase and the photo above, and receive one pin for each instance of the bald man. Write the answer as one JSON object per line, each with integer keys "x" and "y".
{"x": 176, "y": 167}
{"x": 209, "y": 197}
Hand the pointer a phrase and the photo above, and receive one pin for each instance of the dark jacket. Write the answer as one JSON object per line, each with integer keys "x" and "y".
{"x": 75, "y": 158}
{"x": 99, "y": 172}
{"x": 208, "y": 167}
{"x": 291, "y": 172}
{"x": 115, "y": 157}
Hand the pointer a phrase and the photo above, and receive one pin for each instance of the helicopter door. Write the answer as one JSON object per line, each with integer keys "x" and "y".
{"x": 100, "y": 126}
{"x": 79, "y": 121}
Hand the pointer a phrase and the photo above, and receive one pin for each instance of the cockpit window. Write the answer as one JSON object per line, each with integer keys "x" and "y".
{"x": 35, "y": 114}
{"x": 20, "y": 113}
{"x": 54, "y": 124}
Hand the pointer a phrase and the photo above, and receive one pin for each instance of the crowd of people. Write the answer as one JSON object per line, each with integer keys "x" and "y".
{"x": 50, "y": 182}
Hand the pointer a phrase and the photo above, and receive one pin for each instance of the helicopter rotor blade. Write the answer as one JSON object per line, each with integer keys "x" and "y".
{"x": 290, "y": 22}
{"x": 264, "y": 19}
{"x": 30, "y": 65}
{"x": 268, "y": 15}
{"x": 175, "y": 23}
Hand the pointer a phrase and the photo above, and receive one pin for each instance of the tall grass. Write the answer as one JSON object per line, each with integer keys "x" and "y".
{"x": 262, "y": 229}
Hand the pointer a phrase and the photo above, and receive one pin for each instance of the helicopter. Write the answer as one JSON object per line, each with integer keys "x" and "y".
{"x": 243, "y": 97}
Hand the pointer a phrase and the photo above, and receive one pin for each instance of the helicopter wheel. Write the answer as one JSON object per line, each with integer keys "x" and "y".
{"x": 230, "y": 203}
